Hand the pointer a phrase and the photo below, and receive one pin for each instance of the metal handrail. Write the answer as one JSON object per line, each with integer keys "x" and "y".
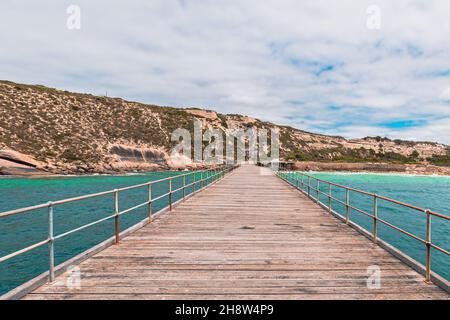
{"x": 206, "y": 178}
{"x": 299, "y": 184}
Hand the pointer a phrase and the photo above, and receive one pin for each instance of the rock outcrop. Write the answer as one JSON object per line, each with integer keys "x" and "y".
{"x": 16, "y": 163}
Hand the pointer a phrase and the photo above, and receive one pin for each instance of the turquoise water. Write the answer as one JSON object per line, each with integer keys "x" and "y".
{"x": 22, "y": 230}
{"x": 430, "y": 192}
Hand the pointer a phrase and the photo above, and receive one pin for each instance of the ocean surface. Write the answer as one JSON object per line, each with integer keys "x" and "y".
{"x": 429, "y": 192}
{"x": 17, "y": 232}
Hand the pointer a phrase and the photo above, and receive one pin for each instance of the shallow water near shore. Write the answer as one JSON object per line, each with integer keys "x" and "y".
{"x": 17, "y": 232}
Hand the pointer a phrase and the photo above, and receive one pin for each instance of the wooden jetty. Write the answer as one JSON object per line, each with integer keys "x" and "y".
{"x": 249, "y": 236}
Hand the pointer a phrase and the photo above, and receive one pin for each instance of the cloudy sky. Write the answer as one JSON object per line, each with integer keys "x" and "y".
{"x": 321, "y": 66}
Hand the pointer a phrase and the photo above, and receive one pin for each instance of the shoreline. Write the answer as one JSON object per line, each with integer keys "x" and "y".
{"x": 315, "y": 167}
{"x": 385, "y": 173}
{"x": 368, "y": 167}
{"x": 29, "y": 172}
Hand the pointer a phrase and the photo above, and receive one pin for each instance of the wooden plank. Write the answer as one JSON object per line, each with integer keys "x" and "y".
{"x": 249, "y": 236}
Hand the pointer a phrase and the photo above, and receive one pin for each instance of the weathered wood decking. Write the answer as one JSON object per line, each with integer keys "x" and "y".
{"x": 248, "y": 236}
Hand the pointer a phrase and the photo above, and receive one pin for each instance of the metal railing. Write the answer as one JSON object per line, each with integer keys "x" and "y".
{"x": 300, "y": 180}
{"x": 206, "y": 178}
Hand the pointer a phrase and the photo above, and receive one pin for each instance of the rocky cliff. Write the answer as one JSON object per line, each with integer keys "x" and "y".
{"x": 56, "y": 131}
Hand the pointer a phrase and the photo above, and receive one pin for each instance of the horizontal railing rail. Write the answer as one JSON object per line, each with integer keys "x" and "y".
{"x": 206, "y": 178}
{"x": 301, "y": 181}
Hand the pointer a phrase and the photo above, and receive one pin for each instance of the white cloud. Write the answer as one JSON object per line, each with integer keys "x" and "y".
{"x": 311, "y": 64}
{"x": 445, "y": 94}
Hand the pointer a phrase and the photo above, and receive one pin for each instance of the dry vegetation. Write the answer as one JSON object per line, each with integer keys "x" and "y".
{"x": 71, "y": 132}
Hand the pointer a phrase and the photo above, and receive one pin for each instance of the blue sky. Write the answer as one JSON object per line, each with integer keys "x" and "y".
{"x": 311, "y": 64}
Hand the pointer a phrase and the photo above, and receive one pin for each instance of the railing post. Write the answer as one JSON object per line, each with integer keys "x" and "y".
{"x": 317, "y": 191}
{"x": 428, "y": 248}
{"x": 116, "y": 212}
{"x": 309, "y": 186}
{"x": 193, "y": 182}
{"x": 297, "y": 181}
{"x": 347, "y": 203}
{"x": 201, "y": 179}
{"x": 329, "y": 197}
{"x": 184, "y": 186}
{"x": 170, "y": 194}
{"x": 51, "y": 244}
{"x": 150, "y": 209}
{"x": 375, "y": 217}
{"x": 302, "y": 180}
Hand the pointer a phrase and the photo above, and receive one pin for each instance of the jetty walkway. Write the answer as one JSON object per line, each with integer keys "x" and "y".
{"x": 248, "y": 236}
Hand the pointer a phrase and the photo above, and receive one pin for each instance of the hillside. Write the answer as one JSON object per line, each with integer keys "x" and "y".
{"x": 63, "y": 132}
